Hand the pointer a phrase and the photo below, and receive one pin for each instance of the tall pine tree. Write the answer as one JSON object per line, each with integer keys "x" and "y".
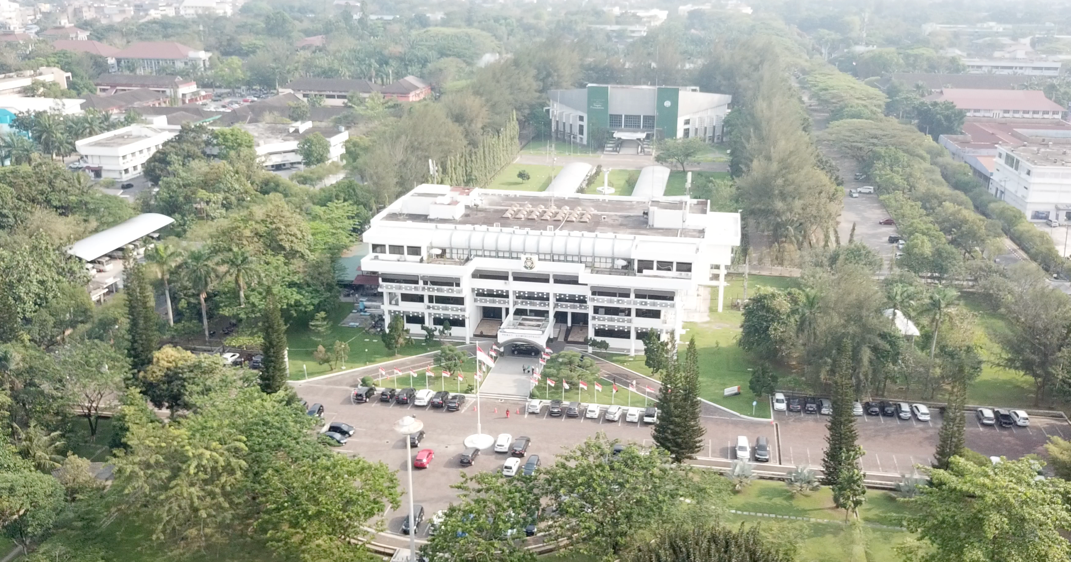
{"x": 141, "y": 316}
{"x": 665, "y": 432}
{"x": 842, "y": 435}
{"x": 951, "y": 439}
{"x": 273, "y": 372}
{"x": 688, "y": 408}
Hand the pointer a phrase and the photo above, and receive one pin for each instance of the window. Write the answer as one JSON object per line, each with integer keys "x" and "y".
{"x": 396, "y": 250}
{"x": 616, "y": 333}
{"x": 412, "y": 250}
{"x": 687, "y": 122}
{"x": 649, "y": 122}
{"x": 615, "y": 121}
{"x": 1039, "y": 216}
{"x": 580, "y": 118}
{"x": 687, "y": 133}
{"x": 632, "y": 121}
{"x": 454, "y": 322}
{"x": 648, "y": 313}
{"x": 448, "y": 300}
{"x": 414, "y": 319}
{"x": 644, "y": 265}
{"x": 580, "y": 130}
{"x": 409, "y": 297}
{"x": 664, "y": 266}
{"x": 684, "y": 267}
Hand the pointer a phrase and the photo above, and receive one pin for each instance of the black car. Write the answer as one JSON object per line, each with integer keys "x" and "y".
{"x": 363, "y": 393}
{"x": 872, "y": 408}
{"x": 531, "y": 466}
{"x": 519, "y": 448}
{"x": 468, "y": 458}
{"x": 388, "y": 394}
{"x": 416, "y": 438}
{"x": 555, "y": 410}
{"x": 418, "y": 518}
{"x": 256, "y": 362}
{"x": 894, "y": 238}
{"x": 530, "y": 529}
{"x": 455, "y": 402}
{"x": 316, "y": 410}
{"x": 405, "y": 396}
{"x": 888, "y": 409}
{"x": 618, "y": 449}
{"x": 341, "y": 428}
{"x": 126, "y": 186}
{"x": 438, "y": 400}
{"x": 762, "y": 449}
{"x": 572, "y": 410}
{"x": 810, "y": 405}
{"x": 1004, "y": 418}
{"x": 794, "y": 405}
{"x": 522, "y": 349}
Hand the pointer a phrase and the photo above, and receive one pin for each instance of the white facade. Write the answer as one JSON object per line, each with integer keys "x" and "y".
{"x": 1013, "y": 66}
{"x": 531, "y": 266}
{"x": 1035, "y": 178}
{"x": 121, "y": 154}
{"x": 194, "y": 8}
{"x": 13, "y": 83}
{"x": 277, "y": 145}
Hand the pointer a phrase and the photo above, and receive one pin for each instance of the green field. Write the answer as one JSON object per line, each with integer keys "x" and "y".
{"x": 541, "y": 177}
{"x": 619, "y": 180}
{"x": 722, "y": 363}
{"x": 677, "y": 180}
{"x": 365, "y": 348}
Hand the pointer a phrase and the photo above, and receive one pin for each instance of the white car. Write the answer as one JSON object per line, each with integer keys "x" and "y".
{"x": 633, "y": 415}
{"x": 436, "y": 522}
{"x": 865, "y": 190}
{"x": 779, "y": 402}
{"x": 503, "y": 442}
{"x": 613, "y": 413}
{"x": 857, "y": 409}
{"x": 231, "y": 358}
{"x": 534, "y": 406}
{"x": 423, "y": 396}
{"x": 513, "y": 464}
{"x": 592, "y": 412}
{"x": 1020, "y": 418}
{"x": 921, "y": 412}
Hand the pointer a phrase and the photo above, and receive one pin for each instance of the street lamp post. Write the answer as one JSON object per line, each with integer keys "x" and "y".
{"x": 408, "y": 426}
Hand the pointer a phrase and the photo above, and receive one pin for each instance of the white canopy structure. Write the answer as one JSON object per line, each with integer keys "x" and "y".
{"x": 99, "y": 244}
{"x": 652, "y": 182}
{"x": 570, "y": 178}
{"x": 906, "y": 327}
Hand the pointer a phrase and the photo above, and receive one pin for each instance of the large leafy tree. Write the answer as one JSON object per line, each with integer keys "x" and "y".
{"x": 842, "y": 436}
{"x": 189, "y": 145}
{"x": 395, "y": 336}
{"x": 995, "y": 512}
{"x": 94, "y": 372}
{"x": 936, "y": 118}
{"x": 30, "y": 501}
{"x": 769, "y": 326}
{"x": 679, "y": 151}
{"x": 274, "y": 371}
{"x": 705, "y": 543}
{"x": 314, "y": 149}
{"x": 176, "y": 377}
{"x": 1038, "y": 339}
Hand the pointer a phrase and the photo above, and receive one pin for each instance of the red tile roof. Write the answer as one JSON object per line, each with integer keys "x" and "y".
{"x": 1013, "y": 100}
{"x": 91, "y": 47}
{"x": 63, "y": 31}
{"x": 155, "y": 50}
{"x": 15, "y": 37}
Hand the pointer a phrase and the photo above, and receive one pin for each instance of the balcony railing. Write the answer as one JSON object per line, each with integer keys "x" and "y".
{"x": 491, "y": 301}
{"x": 413, "y": 288}
{"x": 642, "y": 303}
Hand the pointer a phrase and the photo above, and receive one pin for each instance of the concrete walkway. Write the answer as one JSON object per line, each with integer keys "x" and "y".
{"x": 615, "y": 161}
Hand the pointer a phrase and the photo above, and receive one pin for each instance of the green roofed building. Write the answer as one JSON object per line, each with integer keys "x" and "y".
{"x": 637, "y": 112}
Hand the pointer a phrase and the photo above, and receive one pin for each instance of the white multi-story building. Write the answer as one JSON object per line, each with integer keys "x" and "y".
{"x": 121, "y": 154}
{"x": 531, "y": 266}
{"x": 1013, "y": 66}
{"x": 276, "y": 145}
{"x": 1035, "y": 177}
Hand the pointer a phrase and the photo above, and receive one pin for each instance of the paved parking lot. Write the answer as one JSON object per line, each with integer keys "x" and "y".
{"x": 865, "y": 212}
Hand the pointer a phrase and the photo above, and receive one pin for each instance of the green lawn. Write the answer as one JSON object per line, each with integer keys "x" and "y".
{"x": 677, "y": 179}
{"x": 365, "y": 348}
{"x": 722, "y": 363}
{"x": 619, "y": 180}
{"x": 434, "y": 383}
{"x": 95, "y": 450}
{"x": 825, "y": 542}
{"x": 766, "y": 496}
{"x": 541, "y": 177}
{"x": 539, "y": 147}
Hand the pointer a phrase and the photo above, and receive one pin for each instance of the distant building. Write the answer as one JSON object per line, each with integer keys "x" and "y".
{"x": 277, "y": 145}
{"x": 638, "y": 112}
{"x": 181, "y": 89}
{"x": 407, "y": 89}
{"x": 9, "y": 37}
{"x": 335, "y": 91}
{"x": 70, "y": 32}
{"x": 14, "y": 82}
{"x": 121, "y": 154}
{"x": 91, "y": 47}
{"x": 1035, "y": 177}
{"x": 127, "y": 99}
{"x": 103, "y": 252}
{"x": 195, "y": 8}
{"x": 1013, "y": 66}
{"x": 150, "y": 57}
{"x": 936, "y": 82}
{"x": 977, "y": 145}
{"x": 1013, "y": 104}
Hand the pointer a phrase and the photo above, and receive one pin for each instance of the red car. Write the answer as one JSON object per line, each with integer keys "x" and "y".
{"x": 423, "y": 458}
{"x": 887, "y": 222}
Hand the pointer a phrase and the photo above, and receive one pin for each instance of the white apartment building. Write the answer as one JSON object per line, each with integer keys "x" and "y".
{"x": 276, "y": 145}
{"x": 121, "y": 154}
{"x": 1035, "y": 177}
{"x": 1013, "y": 66}
{"x": 522, "y": 266}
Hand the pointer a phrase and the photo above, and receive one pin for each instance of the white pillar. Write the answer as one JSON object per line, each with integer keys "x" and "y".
{"x": 721, "y": 285}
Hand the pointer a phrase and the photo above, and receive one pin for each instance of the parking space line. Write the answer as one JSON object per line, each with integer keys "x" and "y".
{"x": 808, "y": 456}
{"x": 977, "y": 423}
{"x": 878, "y": 459}
{"x": 896, "y": 464}
{"x": 710, "y": 448}
{"x": 791, "y": 457}
{"x": 1043, "y": 430}
{"x": 1013, "y": 428}
{"x": 1058, "y": 431}
{"x": 729, "y": 451}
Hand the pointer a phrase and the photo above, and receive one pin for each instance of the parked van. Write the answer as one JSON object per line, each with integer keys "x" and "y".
{"x": 102, "y": 264}
{"x": 866, "y": 189}
{"x": 743, "y": 449}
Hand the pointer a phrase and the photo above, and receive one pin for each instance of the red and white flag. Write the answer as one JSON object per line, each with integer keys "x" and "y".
{"x": 538, "y": 376}
{"x": 397, "y": 373}
{"x": 477, "y": 376}
{"x": 495, "y": 347}
{"x": 583, "y": 385}
{"x": 550, "y": 382}
{"x": 461, "y": 376}
{"x": 542, "y": 361}
{"x": 535, "y": 380}
{"x": 649, "y": 389}
{"x": 565, "y": 385}
{"x": 598, "y": 387}
{"x": 615, "y": 387}
{"x": 428, "y": 373}
{"x": 446, "y": 373}
{"x": 483, "y": 357}
{"x": 412, "y": 373}
{"x": 547, "y": 351}
{"x": 493, "y": 354}
{"x": 382, "y": 373}
{"x": 632, "y": 385}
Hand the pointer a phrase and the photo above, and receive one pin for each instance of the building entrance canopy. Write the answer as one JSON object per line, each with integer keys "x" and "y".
{"x": 629, "y": 136}
{"x": 531, "y": 329}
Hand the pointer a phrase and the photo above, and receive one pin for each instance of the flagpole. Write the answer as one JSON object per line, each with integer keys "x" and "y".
{"x": 645, "y": 396}
{"x": 444, "y": 382}
{"x": 479, "y": 410}
{"x": 410, "y": 378}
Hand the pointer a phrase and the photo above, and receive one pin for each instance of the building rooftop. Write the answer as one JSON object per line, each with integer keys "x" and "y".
{"x": 332, "y": 85}
{"x": 91, "y": 47}
{"x": 63, "y": 31}
{"x": 1044, "y": 152}
{"x": 120, "y": 235}
{"x": 156, "y": 50}
{"x": 935, "y": 81}
{"x": 123, "y": 100}
{"x": 140, "y": 80}
{"x": 982, "y": 134}
{"x": 1014, "y": 100}
{"x": 406, "y": 85}
{"x": 273, "y": 133}
{"x": 119, "y": 137}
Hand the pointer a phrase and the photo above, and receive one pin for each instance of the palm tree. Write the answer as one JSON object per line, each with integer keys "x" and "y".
{"x": 241, "y": 265}
{"x": 201, "y": 273}
{"x": 937, "y": 305}
{"x": 807, "y": 323}
{"x": 164, "y": 258}
{"x": 40, "y": 447}
{"x": 49, "y": 133}
{"x": 902, "y": 297}
{"x": 16, "y": 149}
